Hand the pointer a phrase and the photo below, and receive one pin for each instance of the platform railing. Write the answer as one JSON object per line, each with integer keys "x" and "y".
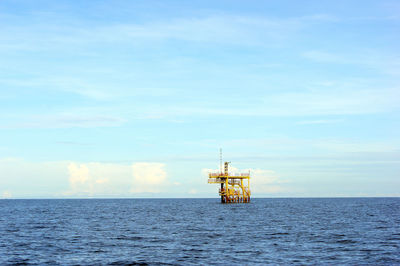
{"x": 234, "y": 182}
{"x": 230, "y": 174}
{"x": 216, "y": 180}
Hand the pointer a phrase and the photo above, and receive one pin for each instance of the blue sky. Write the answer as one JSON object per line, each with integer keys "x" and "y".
{"x": 135, "y": 98}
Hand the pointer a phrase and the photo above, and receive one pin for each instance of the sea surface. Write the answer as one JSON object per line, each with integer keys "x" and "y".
{"x": 295, "y": 231}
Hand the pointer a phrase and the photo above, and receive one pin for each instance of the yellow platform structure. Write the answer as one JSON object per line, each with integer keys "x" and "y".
{"x": 234, "y": 188}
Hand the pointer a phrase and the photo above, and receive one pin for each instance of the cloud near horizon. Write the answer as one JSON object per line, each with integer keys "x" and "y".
{"x": 266, "y": 181}
{"x": 148, "y": 177}
{"x": 106, "y": 179}
{"x": 6, "y": 195}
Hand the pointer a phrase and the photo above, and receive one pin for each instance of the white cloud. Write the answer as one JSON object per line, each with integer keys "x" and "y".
{"x": 102, "y": 181}
{"x": 6, "y": 195}
{"x": 206, "y": 171}
{"x": 32, "y": 179}
{"x": 148, "y": 177}
{"x": 79, "y": 179}
{"x": 24, "y": 179}
{"x": 108, "y": 179}
{"x": 74, "y": 179}
{"x": 265, "y": 182}
{"x": 192, "y": 191}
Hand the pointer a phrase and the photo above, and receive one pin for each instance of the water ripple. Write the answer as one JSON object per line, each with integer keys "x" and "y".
{"x": 200, "y": 231}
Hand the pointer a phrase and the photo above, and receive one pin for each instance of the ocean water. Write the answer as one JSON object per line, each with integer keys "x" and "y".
{"x": 200, "y": 231}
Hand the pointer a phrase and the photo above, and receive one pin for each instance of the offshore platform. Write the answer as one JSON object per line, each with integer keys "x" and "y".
{"x": 234, "y": 188}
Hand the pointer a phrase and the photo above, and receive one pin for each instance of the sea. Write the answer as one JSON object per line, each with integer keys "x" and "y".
{"x": 275, "y": 231}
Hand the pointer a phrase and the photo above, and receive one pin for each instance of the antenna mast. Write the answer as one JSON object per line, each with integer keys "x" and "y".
{"x": 234, "y": 188}
{"x": 220, "y": 160}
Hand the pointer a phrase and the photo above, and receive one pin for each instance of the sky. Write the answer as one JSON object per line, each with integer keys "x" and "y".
{"x": 134, "y": 99}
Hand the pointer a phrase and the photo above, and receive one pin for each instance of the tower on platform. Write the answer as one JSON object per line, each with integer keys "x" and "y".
{"x": 235, "y": 188}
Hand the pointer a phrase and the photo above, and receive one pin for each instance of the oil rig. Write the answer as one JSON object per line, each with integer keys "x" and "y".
{"x": 234, "y": 188}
